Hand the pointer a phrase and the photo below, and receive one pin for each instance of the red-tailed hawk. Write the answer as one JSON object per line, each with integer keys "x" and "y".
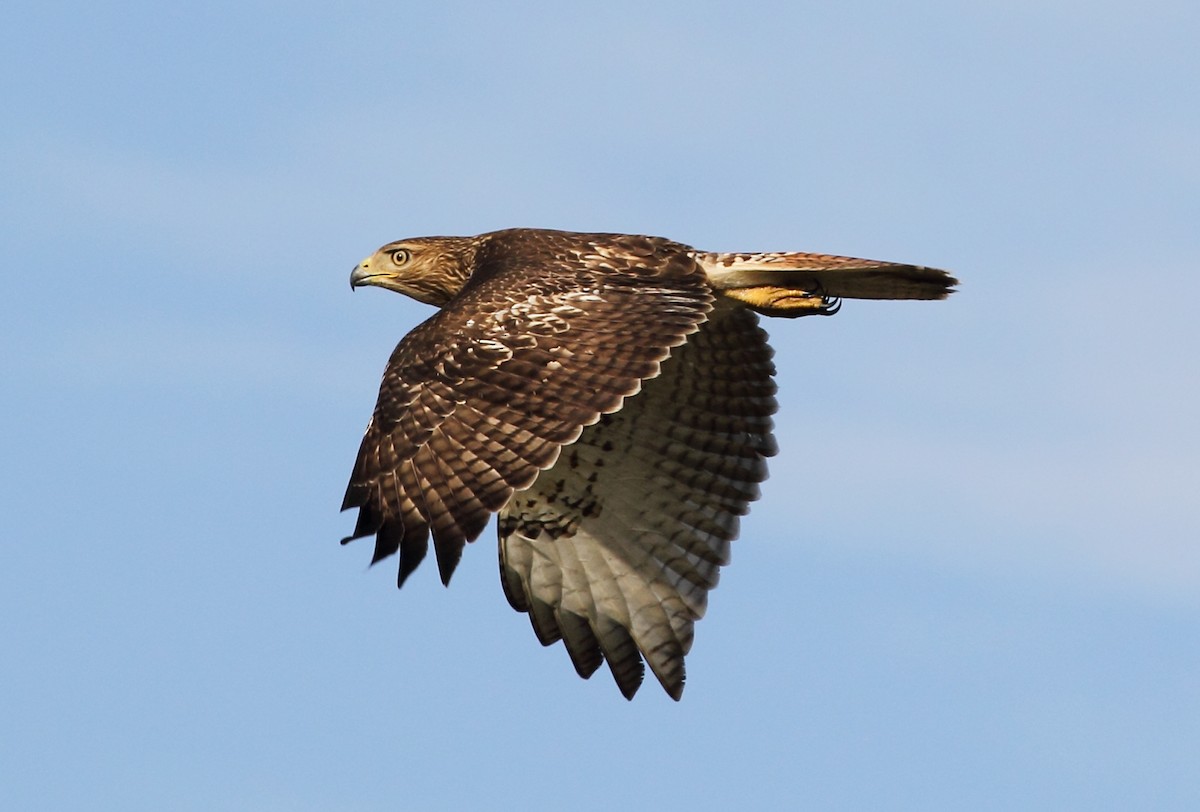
{"x": 610, "y": 396}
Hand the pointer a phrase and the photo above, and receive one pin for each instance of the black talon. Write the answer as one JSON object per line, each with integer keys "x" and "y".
{"x": 829, "y": 304}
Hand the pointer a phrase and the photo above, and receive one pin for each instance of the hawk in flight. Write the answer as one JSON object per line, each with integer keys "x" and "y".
{"x": 610, "y": 396}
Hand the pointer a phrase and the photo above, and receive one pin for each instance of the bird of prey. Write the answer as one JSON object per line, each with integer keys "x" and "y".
{"x": 610, "y": 396}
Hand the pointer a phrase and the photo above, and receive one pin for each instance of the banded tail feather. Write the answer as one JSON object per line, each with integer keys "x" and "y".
{"x": 794, "y": 284}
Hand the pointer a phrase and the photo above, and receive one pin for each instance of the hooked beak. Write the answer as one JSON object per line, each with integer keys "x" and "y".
{"x": 362, "y": 274}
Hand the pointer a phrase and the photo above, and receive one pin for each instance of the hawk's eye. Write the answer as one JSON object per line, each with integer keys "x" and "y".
{"x": 401, "y": 256}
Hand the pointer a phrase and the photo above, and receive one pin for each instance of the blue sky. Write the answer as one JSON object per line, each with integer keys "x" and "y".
{"x": 973, "y": 579}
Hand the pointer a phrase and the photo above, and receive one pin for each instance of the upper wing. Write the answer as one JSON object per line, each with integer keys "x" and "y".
{"x": 614, "y": 548}
{"x": 480, "y": 398}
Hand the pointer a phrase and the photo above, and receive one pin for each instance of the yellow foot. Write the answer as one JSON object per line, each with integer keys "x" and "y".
{"x": 788, "y": 302}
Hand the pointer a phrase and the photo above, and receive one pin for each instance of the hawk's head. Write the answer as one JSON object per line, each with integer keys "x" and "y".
{"x": 429, "y": 269}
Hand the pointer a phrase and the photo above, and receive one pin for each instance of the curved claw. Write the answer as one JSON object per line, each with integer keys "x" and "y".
{"x": 829, "y": 305}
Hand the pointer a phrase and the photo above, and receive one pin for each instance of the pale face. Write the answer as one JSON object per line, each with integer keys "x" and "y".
{"x": 430, "y": 270}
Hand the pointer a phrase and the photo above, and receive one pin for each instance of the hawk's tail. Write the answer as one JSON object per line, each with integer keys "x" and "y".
{"x": 797, "y": 284}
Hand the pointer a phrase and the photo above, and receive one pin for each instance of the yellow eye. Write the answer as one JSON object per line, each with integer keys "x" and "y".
{"x": 401, "y": 256}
